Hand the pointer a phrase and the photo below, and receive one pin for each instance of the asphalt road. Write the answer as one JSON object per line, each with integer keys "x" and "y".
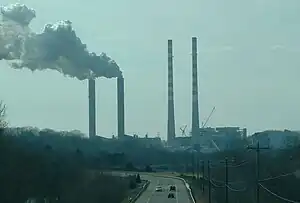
{"x": 151, "y": 196}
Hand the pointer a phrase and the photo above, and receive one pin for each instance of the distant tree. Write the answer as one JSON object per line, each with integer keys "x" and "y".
{"x": 129, "y": 166}
{"x": 3, "y": 123}
{"x": 148, "y": 168}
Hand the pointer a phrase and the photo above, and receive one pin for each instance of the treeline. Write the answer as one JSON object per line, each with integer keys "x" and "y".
{"x": 45, "y": 167}
{"x": 98, "y": 152}
{"x": 61, "y": 166}
{"x": 278, "y": 176}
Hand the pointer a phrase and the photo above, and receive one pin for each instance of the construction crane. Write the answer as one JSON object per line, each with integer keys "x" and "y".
{"x": 182, "y": 129}
{"x": 204, "y": 124}
{"x": 208, "y": 118}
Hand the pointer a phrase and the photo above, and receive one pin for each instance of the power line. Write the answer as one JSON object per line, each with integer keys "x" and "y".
{"x": 236, "y": 190}
{"x": 276, "y": 195}
{"x": 240, "y": 164}
{"x": 216, "y": 185}
{"x": 229, "y": 185}
{"x": 276, "y": 177}
{"x": 209, "y": 182}
{"x": 221, "y": 165}
{"x": 257, "y": 149}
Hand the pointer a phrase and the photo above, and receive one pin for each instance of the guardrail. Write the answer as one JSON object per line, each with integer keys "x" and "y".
{"x": 188, "y": 189}
{"x": 145, "y": 186}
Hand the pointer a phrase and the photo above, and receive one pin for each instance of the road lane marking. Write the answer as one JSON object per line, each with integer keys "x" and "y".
{"x": 176, "y": 188}
{"x": 148, "y": 200}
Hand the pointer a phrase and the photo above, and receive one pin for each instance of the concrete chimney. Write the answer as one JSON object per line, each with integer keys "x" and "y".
{"x": 171, "y": 117}
{"x": 195, "y": 105}
{"x": 120, "y": 104}
{"x": 92, "y": 108}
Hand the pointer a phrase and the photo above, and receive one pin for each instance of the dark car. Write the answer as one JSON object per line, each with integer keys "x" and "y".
{"x": 171, "y": 195}
{"x": 172, "y": 188}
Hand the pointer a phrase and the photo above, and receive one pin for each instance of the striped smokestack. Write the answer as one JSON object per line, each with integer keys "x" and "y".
{"x": 92, "y": 108}
{"x": 120, "y": 105}
{"x": 171, "y": 117}
{"x": 195, "y": 105}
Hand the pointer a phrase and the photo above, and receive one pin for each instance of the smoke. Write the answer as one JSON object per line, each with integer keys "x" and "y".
{"x": 57, "y": 47}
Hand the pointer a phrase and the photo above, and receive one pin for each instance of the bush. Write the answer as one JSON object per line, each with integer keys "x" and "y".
{"x": 132, "y": 184}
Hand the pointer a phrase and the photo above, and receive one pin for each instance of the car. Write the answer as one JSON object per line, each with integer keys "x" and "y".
{"x": 172, "y": 188}
{"x": 171, "y": 195}
{"x": 158, "y": 189}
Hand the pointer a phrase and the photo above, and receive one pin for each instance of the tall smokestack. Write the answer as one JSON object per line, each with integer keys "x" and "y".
{"x": 171, "y": 117}
{"x": 195, "y": 105}
{"x": 92, "y": 108}
{"x": 120, "y": 104}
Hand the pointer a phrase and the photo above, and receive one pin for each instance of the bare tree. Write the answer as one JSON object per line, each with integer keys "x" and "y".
{"x": 3, "y": 123}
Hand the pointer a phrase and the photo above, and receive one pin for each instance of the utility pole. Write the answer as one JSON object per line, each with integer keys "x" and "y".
{"x": 209, "y": 183}
{"x": 257, "y": 148}
{"x": 187, "y": 162}
{"x": 193, "y": 165}
{"x": 226, "y": 180}
{"x": 198, "y": 168}
{"x": 202, "y": 166}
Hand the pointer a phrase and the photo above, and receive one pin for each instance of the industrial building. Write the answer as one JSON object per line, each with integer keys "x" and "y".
{"x": 276, "y": 139}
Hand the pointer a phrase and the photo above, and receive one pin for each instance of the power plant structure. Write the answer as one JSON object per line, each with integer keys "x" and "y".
{"x": 171, "y": 116}
{"x": 195, "y": 102}
{"x": 92, "y": 107}
{"x": 204, "y": 139}
{"x": 120, "y": 107}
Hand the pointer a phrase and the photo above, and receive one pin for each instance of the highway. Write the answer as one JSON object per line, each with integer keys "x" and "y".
{"x": 151, "y": 196}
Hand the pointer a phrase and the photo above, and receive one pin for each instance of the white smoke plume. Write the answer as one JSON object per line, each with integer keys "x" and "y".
{"x": 57, "y": 47}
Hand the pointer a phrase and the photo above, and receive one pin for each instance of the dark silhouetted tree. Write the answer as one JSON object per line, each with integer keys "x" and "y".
{"x": 129, "y": 166}
{"x": 138, "y": 178}
{"x": 148, "y": 168}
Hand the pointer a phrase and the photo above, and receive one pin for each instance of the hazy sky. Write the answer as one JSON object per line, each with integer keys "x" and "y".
{"x": 249, "y": 58}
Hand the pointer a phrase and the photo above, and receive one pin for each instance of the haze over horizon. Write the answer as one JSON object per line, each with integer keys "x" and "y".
{"x": 247, "y": 63}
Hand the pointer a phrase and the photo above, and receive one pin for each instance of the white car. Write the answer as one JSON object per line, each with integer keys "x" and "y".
{"x": 158, "y": 189}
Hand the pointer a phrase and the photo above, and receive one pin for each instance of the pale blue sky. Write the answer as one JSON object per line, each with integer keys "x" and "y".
{"x": 248, "y": 65}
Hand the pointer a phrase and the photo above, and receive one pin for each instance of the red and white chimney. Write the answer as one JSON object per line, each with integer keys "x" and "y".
{"x": 195, "y": 103}
{"x": 171, "y": 116}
